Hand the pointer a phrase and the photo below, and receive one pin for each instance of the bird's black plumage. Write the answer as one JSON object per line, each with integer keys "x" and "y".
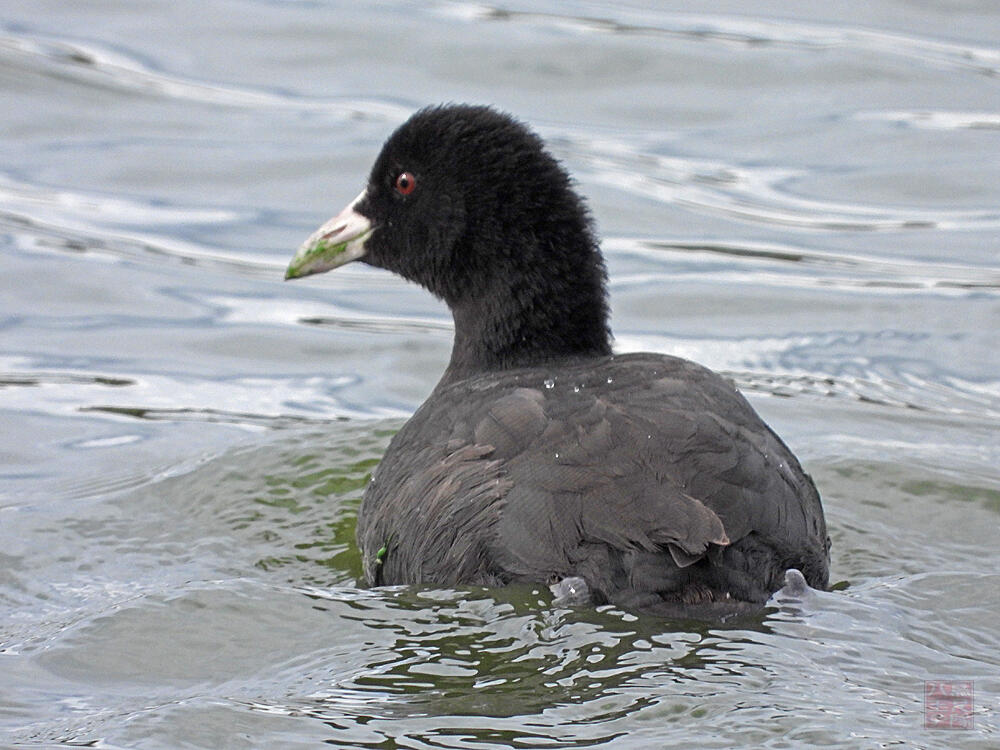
{"x": 540, "y": 455}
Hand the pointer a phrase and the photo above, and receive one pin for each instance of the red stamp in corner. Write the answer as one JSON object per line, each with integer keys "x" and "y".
{"x": 948, "y": 704}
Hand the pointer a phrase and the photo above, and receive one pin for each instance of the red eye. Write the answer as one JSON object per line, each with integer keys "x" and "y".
{"x": 406, "y": 183}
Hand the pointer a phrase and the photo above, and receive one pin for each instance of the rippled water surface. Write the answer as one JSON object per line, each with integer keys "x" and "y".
{"x": 804, "y": 196}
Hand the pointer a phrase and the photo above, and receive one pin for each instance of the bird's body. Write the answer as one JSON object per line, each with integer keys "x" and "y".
{"x": 647, "y": 475}
{"x": 540, "y": 456}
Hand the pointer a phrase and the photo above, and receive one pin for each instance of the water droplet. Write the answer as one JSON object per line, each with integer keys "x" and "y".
{"x": 550, "y": 383}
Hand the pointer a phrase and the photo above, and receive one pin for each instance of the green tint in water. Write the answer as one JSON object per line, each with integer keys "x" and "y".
{"x": 289, "y": 504}
{"x": 327, "y": 500}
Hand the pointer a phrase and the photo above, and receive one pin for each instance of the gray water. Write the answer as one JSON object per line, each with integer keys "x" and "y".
{"x": 805, "y": 196}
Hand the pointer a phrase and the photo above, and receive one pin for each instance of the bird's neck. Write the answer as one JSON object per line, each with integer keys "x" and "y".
{"x": 516, "y": 323}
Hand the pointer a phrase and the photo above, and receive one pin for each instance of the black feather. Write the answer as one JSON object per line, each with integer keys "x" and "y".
{"x": 540, "y": 456}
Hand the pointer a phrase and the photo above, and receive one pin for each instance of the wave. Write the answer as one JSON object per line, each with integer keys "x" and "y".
{"x": 99, "y": 65}
{"x": 754, "y": 32}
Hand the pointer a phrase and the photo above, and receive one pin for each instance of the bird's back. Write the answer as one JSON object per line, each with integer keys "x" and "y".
{"x": 649, "y": 476}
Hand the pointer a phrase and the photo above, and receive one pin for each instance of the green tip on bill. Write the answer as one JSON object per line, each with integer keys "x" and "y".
{"x": 322, "y": 256}
{"x": 321, "y": 252}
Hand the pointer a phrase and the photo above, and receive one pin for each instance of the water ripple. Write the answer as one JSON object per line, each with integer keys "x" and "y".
{"x": 803, "y": 365}
{"x": 43, "y": 218}
{"x": 755, "y": 32}
{"x": 322, "y": 313}
{"x": 72, "y": 221}
{"x": 249, "y": 557}
{"x": 278, "y": 402}
{"x": 908, "y": 393}
{"x": 754, "y": 193}
{"x": 936, "y": 119}
{"x": 94, "y": 64}
{"x": 769, "y": 262}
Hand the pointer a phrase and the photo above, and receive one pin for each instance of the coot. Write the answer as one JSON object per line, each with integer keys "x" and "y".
{"x": 540, "y": 456}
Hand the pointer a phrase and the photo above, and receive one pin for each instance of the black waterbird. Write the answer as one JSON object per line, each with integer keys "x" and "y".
{"x": 644, "y": 480}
